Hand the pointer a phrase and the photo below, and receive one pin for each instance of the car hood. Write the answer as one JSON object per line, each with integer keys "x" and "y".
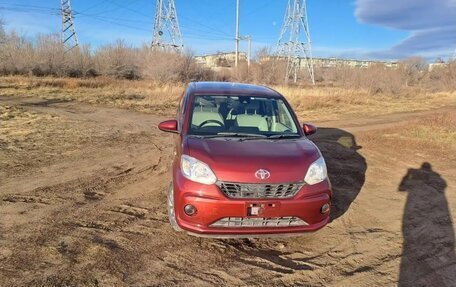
{"x": 237, "y": 161}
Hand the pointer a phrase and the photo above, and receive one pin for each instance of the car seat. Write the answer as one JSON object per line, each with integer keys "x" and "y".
{"x": 205, "y": 113}
{"x": 251, "y": 119}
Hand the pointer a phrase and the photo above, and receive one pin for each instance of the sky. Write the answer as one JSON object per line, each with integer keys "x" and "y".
{"x": 370, "y": 29}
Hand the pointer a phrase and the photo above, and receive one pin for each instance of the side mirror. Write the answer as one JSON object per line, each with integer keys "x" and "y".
{"x": 168, "y": 126}
{"x": 309, "y": 129}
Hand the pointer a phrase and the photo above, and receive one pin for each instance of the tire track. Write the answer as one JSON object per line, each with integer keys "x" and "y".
{"x": 101, "y": 220}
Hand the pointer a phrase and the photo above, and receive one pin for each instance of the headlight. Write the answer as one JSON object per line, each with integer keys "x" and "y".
{"x": 317, "y": 172}
{"x": 196, "y": 170}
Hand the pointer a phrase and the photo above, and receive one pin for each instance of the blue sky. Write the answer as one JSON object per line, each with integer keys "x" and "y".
{"x": 387, "y": 29}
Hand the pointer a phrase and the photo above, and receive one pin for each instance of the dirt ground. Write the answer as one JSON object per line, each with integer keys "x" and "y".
{"x": 83, "y": 196}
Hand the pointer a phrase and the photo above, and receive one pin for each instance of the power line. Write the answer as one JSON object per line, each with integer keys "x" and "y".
{"x": 205, "y": 26}
{"x": 27, "y": 11}
{"x": 113, "y": 21}
{"x": 32, "y": 9}
{"x": 118, "y": 21}
{"x": 28, "y": 6}
{"x": 94, "y": 6}
{"x": 193, "y": 29}
{"x": 209, "y": 28}
{"x": 76, "y": 13}
{"x": 106, "y": 10}
{"x": 131, "y": 10}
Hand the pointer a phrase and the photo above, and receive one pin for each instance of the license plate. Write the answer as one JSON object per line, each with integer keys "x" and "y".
{"x": 266, "y": 209}
{"x": 254, "y": 210}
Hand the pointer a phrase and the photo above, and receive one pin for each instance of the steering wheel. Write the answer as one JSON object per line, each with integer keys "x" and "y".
{"x": 211, "y": 122}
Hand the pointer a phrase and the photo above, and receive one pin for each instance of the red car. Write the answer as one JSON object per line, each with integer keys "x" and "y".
{"x": 243, "y": 166}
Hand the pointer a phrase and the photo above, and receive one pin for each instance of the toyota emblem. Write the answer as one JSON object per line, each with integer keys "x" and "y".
{"x": 262, "y": 174}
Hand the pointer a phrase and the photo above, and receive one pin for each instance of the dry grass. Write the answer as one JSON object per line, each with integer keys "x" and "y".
{"x": 438, "y": 129}
{"x": 310, "y": 103}
{"x": 27, "y": 138}
{"x": 143, "y": 96}
{"x": 332, "y": 103}
{"x": 429, "y": 137}
{"x": 30, "y": 139}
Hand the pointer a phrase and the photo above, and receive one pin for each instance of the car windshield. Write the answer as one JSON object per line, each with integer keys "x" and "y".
{"x": 241, "y": 116}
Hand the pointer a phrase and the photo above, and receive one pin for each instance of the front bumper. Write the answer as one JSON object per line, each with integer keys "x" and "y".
{"x": 212, "y": 206}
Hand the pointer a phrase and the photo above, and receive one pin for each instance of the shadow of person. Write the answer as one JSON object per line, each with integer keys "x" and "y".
{"x": 346, "y": 167}
{"x": 428, "y": 255}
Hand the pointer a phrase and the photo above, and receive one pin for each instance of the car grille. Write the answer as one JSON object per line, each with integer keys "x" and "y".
{"x": 254, "y": 190}
{"x": 233, "y": 222}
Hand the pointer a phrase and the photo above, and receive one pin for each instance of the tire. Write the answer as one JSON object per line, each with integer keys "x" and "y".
{"x": 170, "y": 208}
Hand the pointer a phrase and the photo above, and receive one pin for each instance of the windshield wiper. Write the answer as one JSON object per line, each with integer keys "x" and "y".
{"x": 238, "y": 135}
{"x": 283, "y": 136}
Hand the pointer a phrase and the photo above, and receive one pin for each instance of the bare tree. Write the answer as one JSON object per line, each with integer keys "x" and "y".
{"x": 267, "y": 69}
{"x": 17, "y": 54}
{"x": 44, "y": 56}
{"x": 2, "y": 41}
{"x": 413, "y": 69}
{"x": 2, "y": 32}
{"x": 49, "y": 55}
{"x": 118, "y": 59}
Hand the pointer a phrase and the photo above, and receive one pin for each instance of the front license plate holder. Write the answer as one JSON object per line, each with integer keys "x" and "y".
{"x": 269, "y": 209}
{"x": 253, "y": 210}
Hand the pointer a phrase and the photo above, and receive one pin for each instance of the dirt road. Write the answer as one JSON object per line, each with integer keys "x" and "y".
{"x": 89, "y": 210}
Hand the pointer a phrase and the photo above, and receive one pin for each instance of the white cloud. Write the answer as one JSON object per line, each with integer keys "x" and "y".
{"x": 432, "y": 25}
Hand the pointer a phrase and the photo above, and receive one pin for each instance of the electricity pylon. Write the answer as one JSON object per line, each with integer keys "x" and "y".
{"x": 294, "y": 41}
{"x": 166, "y": 19}
{"x": 69, "y": 37}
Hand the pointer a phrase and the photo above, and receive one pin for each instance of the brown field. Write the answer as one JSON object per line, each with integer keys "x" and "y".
{"x": 84, "y": 172}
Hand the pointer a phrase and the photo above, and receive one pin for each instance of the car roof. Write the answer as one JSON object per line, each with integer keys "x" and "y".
{"x": 229, "y": 88}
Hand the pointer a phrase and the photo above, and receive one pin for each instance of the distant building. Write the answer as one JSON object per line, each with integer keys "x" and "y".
{"x": 437, "y": 65}
{"x": 220, "y": 60}
{"x": 226, "y": 60}
{"x": 352, "y": 63}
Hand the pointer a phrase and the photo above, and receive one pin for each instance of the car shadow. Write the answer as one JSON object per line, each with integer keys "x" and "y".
{"x": 428, "y": 254}
{"x": 346, "y": 167}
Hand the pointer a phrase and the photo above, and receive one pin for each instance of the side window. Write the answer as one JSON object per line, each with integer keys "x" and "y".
{"x": 179, "y": 108}
{"x": 284, "y": 115}
{"x": 180, "y": 112}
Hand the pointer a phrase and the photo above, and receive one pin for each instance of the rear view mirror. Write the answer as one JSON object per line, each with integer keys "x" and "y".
{"x": 168, "y": 126}
{"x": 309, "y": 129}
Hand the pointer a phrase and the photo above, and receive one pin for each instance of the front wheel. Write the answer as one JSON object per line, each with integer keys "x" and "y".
{"x": 171, "y": 211}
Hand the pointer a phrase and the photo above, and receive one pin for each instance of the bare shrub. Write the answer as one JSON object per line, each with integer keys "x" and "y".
{"x": 44, "y": 56}
{"x": 189, "y": 70}
{"x": 167, "y": 67}
{"x": 413, "y": 70}
{"x": 118, "y": 60}
{"x": 80, "y": 63}
{"x": 375, "y": 79}
{"x": 2, "y": 32}
{"x": 409, "y": 76}
{"x": 16, "y": 55}
{"x": 48, "y": 55}
{"x": 241, "y": 74}
{"x": 441, "y": 78}
{"x": 266, "y": 69}
{"x": 160, "y": 66}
